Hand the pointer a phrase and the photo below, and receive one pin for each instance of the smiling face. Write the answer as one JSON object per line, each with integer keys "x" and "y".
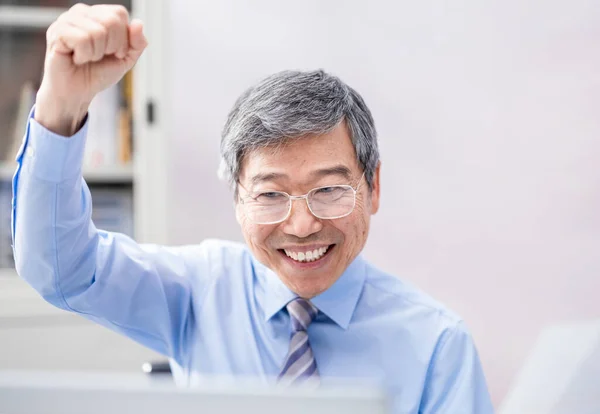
{"x": 295, "y": 168}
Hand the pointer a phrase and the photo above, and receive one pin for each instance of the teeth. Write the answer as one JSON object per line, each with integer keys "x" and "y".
{"x": 309, "y": 256}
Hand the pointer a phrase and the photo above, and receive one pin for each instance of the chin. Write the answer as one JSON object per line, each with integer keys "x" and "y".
{"x": 309, "y": 290}
{"x": 307, "y": 284}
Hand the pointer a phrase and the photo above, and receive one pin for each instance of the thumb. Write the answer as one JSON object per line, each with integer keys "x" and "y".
{"x": 137, "y": 40}
{"x": 137, "y": 43}
{"x": 113, "y": 67}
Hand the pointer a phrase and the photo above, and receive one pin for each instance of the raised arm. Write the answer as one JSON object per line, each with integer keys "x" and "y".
{"x": 141, "y": 291}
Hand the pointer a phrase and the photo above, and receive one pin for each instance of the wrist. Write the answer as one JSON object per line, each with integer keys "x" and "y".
{"x": 60, "y": 116}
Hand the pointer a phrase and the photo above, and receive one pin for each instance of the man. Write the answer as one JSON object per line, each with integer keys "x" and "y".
{"x": 298, "y": 303}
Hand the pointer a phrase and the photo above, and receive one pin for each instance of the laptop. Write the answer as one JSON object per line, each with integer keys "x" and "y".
{"x": 35, "y": 392}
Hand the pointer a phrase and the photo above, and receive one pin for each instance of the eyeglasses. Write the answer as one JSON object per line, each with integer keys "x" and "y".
{"x": 327, "y": 203}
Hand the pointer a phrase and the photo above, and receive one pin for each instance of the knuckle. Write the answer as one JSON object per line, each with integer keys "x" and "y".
{"x": 79, "y": 7}
{"x": 101, "y": 32}
{"x": 98, "y": 34}
{"x": 50, "y": 33}
{"x": 113, "y": 21}
{"x": 63, "y": 17}
{"x": 121, "y": 12}
{"x": 87, "y": 40}
{"x": 53, "y": 39}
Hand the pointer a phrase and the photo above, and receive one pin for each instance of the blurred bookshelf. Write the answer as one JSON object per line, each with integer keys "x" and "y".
{"x": 109, "y": 167}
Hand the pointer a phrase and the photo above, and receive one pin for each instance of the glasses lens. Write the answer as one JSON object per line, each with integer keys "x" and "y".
{"x": 332, "y": 202}
{"x": 268, "y": 207}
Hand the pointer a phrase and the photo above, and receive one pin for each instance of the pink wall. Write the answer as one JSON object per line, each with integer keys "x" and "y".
{"x": 490, "y": 137}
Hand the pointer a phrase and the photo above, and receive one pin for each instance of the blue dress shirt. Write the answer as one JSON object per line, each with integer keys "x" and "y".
{"x": 212, "y": 308}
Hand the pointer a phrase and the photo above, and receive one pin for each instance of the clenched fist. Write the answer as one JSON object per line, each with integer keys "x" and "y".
{"x": 89, "y": 48}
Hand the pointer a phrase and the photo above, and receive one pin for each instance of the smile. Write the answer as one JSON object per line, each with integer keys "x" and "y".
{"x": 306, "y": 255}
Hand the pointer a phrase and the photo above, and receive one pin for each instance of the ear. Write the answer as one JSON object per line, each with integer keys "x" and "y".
{"x": 375, "y": 190}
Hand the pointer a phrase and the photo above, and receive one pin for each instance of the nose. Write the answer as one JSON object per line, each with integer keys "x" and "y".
{"x": 301, "y": 222}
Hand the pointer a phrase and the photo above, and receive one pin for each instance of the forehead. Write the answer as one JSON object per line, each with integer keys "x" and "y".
{"x": 299, "y": 157}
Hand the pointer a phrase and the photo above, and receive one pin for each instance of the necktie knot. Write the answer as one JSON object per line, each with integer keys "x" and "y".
{"x": 302, "y": 313}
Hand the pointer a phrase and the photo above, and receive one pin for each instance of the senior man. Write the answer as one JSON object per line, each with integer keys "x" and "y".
{"x": 297, "y": 302}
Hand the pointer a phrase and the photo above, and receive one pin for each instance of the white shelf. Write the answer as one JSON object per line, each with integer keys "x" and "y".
{"x": 28, "y": 17}
{"x": 101, "y": 175}
{"x": 113, "y": 174}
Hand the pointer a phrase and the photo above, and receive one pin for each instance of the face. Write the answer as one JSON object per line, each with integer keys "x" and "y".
{"x": 295, "y": 168}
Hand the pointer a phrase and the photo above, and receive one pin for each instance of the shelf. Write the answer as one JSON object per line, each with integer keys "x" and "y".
{"x": 113, "y": 174}
{"x": 28, "y": 17}
{"x": 117, "y": 174}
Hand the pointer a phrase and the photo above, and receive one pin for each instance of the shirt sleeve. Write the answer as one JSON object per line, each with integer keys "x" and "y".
{"x": 456, "y": 383}
{"x": 142, "y": 291}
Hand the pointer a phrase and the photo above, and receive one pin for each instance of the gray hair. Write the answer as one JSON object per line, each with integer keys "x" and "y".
{"x": 292, "y": 104}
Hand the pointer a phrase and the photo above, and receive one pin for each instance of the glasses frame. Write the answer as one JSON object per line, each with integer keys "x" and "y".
{"x": 291, "y": 198}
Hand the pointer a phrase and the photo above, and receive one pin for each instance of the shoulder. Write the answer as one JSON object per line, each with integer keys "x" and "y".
{"x": 396, "y": 296}
{"x": 409, "y": 322}
{"x": 208, "y": 259}
{"x": 213, "y": 264}
{"x": 216, "y": 253}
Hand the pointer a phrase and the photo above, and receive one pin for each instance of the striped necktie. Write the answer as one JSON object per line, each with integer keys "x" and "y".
{"x": 300, "y": 364}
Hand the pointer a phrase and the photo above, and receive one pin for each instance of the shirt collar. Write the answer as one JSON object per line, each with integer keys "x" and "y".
{"x": 338, "y": 302}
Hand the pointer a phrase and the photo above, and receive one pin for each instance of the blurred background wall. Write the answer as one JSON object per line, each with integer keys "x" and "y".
{"x": 487, "y": 113}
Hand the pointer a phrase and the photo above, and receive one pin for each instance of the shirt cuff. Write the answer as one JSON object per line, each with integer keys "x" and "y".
{"x": 50, "y": 156}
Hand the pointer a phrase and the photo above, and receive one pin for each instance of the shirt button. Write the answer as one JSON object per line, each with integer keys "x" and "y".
{"x": 30, "y": 152}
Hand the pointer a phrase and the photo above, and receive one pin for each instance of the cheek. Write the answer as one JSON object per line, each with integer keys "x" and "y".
{"x": 355, "y": 229}
{"x": 256, "y": 235}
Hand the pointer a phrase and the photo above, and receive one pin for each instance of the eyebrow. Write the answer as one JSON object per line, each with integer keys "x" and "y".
{"x": 340, "y": 170}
